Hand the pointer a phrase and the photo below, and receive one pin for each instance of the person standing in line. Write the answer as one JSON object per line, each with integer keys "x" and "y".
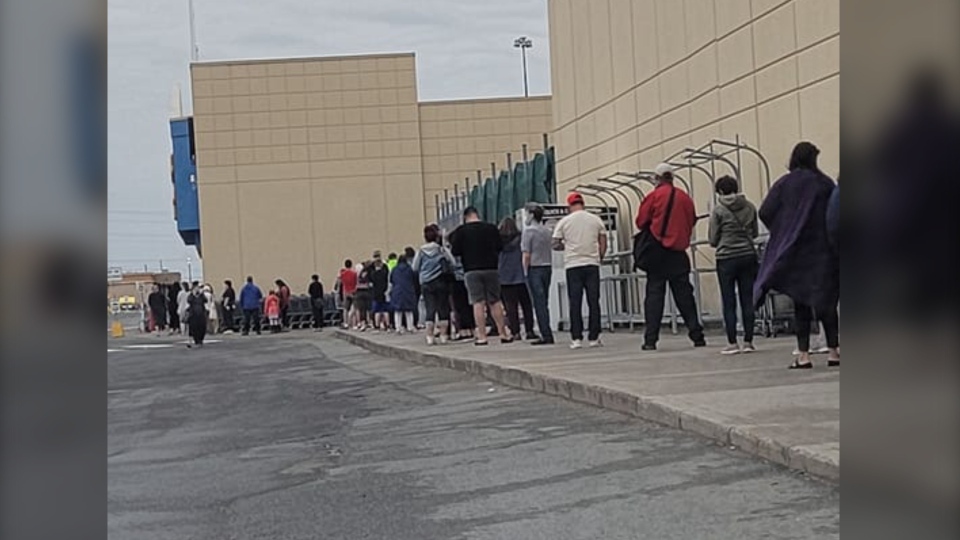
{"x": 410, "y": 254}
{"x": 535, "y": 244}
{"x": 182, "y": 306}
{"x": 212, "y": 314}
{"x": 669, "y": 215}
{"x": 157, "y": 301}
{"x": 582, "y": 237}
{"x": 347, "y": 283}
{"x": 513, "y": 282}
{"x": 197, "y": 315}
{"x": 250, "y": 298}
{"x": 478, "y": 245}
{"x": 173, "y": 295}
{"x": 392, "y": 261}
{"x": 363, "y": 300}
{"x": 315, "y": 291}
{"x": 271, "y": 308}
{"x": 229, "y": 301}
{"x": 799, "y": 261}
{"x": 380, "y": 282}
{"x": 283, "y": 292}
{"x": 733, "y": 230}
{"x": 462, "y": 309}
{"x": 432, "y": 264}
{"x": 403, "y": 298}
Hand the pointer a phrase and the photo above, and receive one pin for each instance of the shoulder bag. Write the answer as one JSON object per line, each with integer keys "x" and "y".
{"x": 647, "y": 250}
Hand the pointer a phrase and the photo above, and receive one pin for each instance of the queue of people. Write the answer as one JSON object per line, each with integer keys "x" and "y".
{"x": 482, "y": 277}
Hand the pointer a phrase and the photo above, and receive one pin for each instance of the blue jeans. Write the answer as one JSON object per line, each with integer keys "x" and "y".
{"x": 538, "y": 281}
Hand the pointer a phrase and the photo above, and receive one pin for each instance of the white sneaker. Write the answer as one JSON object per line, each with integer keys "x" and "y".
{"x": 595, "y": 344}
{"x": 431, "y": 340}
{"x": 748, "y": 348}
{"x": 730, "y": 349}
{"x": 822, "y": 349}
{"x": 443, "y": 339}
{"x": 576, "y": 344}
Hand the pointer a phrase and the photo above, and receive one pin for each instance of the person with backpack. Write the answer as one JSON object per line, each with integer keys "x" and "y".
{"x": 733, "y": 229}
{"x": 434, "y": 264}
{"x": 665, "y": 220}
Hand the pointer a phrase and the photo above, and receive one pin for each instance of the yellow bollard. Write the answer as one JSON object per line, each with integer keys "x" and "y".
{"x": 116, "y": 329}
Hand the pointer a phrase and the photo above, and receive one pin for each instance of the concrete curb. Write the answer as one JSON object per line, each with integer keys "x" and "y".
{"x": 647, "y": 408}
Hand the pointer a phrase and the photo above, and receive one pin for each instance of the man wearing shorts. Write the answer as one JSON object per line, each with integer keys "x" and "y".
{"x": 478, "y": 245}
{"x": 348, "y": 288}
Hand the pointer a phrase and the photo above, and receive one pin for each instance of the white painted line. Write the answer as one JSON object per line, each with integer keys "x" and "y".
{"x": 150, "y": 346}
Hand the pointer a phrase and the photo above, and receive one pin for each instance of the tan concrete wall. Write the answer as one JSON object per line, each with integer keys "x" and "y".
{"x": 460, "y": 137}
{"x": 303, "y": 162}
{"x": 634, "y": 81}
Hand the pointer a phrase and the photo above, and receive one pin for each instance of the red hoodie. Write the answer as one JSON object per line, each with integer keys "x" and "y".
{"x": 682, "y": 220}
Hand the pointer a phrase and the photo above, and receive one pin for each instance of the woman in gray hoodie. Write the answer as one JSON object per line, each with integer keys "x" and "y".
{"x": 733, "y": 229}
{"x": 434, "y": 265}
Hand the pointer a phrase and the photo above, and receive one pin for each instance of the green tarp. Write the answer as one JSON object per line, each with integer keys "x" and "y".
{"x": 491, "y": 196}
{"x": 505, "y": 199}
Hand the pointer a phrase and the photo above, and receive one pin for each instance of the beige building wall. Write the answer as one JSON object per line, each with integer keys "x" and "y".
{"x": 462, "y": 136}
{"x": 304, "y": 162}
{"x": 634, "y": 81}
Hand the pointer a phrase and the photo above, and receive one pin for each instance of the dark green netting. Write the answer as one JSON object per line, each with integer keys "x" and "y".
{"x": 551, "y": 182}
{"x": 491, "y": 196}
{"x": 521, "y": 186}
{"x": 477, "y": 197}
{"x": 505, "y": 199}
{"x": 540, "y": 186}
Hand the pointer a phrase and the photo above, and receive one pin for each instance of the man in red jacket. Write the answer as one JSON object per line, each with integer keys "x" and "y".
{"x": 674, "y": 268}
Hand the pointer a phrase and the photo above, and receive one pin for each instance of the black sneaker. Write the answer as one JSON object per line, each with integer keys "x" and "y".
{"x": 648, "y": 347}
{"x": 533, "y": 337}
{"x": 700, "y": 343}
{"x": 542, "y": 342}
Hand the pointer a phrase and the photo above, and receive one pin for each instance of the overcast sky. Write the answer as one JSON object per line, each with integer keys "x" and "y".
{"x": 464, "y": 50}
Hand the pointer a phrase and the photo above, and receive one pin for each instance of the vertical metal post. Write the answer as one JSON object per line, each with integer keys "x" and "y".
{"x": 546, "y": 143}
{"x": 456, "y": 198}
{"x": 436, "y": 203}
{"x": 526, "y": 86}
{"x": 194, "y": 48}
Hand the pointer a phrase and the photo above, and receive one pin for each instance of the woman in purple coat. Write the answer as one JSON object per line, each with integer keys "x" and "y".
{"x": 799, "y": 261}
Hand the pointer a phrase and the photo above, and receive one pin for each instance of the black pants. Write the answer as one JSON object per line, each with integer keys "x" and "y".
{"x": 804, "y": 316}
{"x": 436, "y": 296}
{"x": 736, "y": 277}
{"x": 285, "y": 316}
{"x": 251, "y": 316}
{"x": 579, "y": 280}
{"x": 514, "y": 297}
{"x": 538, "y": 280}
{"x": 174, "y": 321}
{"x": 228, "y": 319}
{"x": 316, "y": 306}
{"x": 198, "y": 328}
{"x": 461, "y": 304}
{"x": 654, "y": 302}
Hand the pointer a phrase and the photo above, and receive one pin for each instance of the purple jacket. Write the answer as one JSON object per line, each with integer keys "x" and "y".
{"x": 798, "y": 260}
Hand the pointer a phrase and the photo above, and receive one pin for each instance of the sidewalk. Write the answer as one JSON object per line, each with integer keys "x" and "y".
{"x": 752, "y": 402}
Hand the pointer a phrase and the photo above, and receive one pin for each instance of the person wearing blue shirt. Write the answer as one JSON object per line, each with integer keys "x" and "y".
{"x": 250, "y": 299}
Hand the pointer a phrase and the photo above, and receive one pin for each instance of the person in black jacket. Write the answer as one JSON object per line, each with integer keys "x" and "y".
{"x": 229, "y": 299}
{"x": 157, "y": 301}
{"x": 316, "y": 301}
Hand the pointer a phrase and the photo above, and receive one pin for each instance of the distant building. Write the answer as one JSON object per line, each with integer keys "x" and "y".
{"x": 137, "y": 285}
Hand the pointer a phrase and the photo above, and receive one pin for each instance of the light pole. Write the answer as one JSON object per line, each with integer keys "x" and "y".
{"x": 523, "y": 43}
{"x": 189, "y": 271}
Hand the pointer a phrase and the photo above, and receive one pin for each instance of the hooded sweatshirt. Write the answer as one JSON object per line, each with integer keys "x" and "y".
{"x": 428, "y": 262}
{"x": 733, "y": 226}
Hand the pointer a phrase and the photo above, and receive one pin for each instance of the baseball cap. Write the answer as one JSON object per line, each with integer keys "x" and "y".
{"x": 574, "y": 198}
{"x": 663, "y": 169}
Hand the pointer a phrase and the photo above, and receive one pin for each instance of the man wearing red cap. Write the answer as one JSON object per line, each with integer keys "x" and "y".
{"x": 583, "y": 239}
{"x": 670, "y": 216}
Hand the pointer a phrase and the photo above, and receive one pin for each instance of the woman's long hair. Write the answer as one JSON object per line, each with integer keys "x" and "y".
{"x": 804, "y": 156}
{"x": 508, "y": 229}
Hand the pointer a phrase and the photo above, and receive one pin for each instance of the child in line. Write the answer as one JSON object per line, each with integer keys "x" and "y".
{"x": 271, "y": 308}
